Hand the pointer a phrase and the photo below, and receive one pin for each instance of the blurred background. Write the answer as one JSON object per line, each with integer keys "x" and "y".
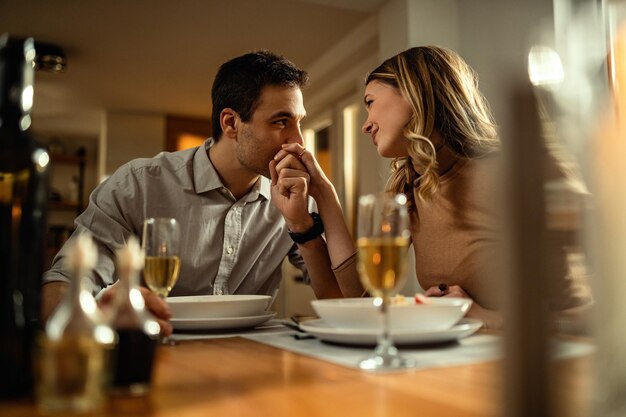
{"x": 135, "y": 78}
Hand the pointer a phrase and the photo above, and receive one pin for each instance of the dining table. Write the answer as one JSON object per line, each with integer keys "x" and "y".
{"x": 237, "y": 376}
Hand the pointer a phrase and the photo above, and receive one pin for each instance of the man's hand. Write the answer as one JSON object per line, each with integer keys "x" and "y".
{"x": 157, "y": 306}
{"x": 290, "y": 181}
{"x": 317, "y": 179}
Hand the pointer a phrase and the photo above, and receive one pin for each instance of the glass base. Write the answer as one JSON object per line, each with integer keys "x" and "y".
{"x": 386, "y": 358}
{"x": 132, "y": 389}
{"x": 166, "y": 341}
{"x": 385, "y": 363}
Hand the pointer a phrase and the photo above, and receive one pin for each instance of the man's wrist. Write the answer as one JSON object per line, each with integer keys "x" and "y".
{"x": 314, "y": 231}
{"x": 302, "y": 226}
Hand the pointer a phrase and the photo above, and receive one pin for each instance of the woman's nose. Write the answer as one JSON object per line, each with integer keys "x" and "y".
{"x": 367, "y": 126}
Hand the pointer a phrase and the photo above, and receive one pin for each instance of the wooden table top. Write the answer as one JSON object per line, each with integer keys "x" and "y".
{"x": 238, "y": 377}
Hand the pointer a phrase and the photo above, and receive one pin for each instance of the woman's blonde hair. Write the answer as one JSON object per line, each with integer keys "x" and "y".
{"x": 443, "y": 92}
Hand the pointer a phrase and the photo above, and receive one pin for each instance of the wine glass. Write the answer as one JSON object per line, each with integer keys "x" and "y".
{"x": 161, "y": 243}
{"x": 383, "y": 240}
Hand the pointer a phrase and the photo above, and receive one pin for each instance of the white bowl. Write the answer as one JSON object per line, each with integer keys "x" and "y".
{"x": 217, "y": 306}
{"x": 361, "y": 313}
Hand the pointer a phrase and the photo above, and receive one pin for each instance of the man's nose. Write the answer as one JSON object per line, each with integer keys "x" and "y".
{"x": 296, "y": 136}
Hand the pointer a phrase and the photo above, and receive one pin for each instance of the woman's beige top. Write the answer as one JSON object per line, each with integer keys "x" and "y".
{"x": 458, "y": 239}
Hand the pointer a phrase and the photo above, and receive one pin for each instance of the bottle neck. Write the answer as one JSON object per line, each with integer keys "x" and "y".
{"x": 76, "y": 286}
{"x": 16, "y": 82}
{"x": 128, "y": 280}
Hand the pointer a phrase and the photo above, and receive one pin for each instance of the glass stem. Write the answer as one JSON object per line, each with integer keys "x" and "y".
{"x": 166, "y": 340}
{"x": 385, "y": 346}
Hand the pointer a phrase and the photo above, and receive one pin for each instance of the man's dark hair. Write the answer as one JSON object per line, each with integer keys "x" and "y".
{"x": 239, "y": 82}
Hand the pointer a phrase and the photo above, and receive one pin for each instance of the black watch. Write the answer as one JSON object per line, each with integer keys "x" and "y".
{"x": 316, "y": 230}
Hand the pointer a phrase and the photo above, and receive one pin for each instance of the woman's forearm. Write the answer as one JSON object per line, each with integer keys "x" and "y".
{"x": 339, "y": 241}
{"x": 338, "y": 238}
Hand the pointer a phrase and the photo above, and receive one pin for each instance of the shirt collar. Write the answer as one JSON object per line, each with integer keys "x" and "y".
{"x": 205, "y": 176}
{"x": 262, "y": 187}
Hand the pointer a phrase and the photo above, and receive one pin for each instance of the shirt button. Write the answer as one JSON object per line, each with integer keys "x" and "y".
{"x": 229, "y": 250}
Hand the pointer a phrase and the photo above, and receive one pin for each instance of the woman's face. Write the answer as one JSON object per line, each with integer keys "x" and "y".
{"x": 388, "y": 114}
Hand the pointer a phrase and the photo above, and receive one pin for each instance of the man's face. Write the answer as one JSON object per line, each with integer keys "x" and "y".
{"x": 275, "y": 121}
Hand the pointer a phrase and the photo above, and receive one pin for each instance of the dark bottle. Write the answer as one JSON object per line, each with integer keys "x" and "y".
{"x": 138, "y": 332}
{"x": 23, "y": 193}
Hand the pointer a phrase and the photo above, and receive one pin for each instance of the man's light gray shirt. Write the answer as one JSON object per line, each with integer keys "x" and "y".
{"x": 228, "y": 246}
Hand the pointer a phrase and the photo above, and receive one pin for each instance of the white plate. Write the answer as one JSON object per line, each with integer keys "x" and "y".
{"x": 222, "y": 306}
{"x": 221, "y": 322}
{"x": 367, "y": 337}
{"x": 361, "y": 313}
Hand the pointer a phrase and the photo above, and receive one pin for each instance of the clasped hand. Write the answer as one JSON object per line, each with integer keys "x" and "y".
{"x": 292, "y": 184}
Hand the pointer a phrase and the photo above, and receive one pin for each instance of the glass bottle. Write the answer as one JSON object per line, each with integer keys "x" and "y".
{"x": 24, "y": 173}
{"x": 138, "y": 332}
{"x": 74, "y": 356}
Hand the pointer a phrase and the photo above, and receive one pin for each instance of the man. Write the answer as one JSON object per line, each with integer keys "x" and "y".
{"x": 233, "y": 238}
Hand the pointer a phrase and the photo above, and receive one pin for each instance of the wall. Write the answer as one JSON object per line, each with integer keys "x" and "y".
{"x": 126, "y": 136}
{"x": 495, "y": 36}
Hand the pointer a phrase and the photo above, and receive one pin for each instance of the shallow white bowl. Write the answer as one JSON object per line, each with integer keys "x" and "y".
{"x": 217, "y": 306}
{"x": 361, "y": 313}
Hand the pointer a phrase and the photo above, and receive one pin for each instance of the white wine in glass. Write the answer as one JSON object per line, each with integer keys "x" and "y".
{"x": 383, "y": 263}
{"x": 161, "y": 273}
{"x": 161, "y": 243}
{"x": 383, "y": 241}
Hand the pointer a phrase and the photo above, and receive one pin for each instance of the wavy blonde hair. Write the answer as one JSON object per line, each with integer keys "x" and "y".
{"x": 443, "y": 93}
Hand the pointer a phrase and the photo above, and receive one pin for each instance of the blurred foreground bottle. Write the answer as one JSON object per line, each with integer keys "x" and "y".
{"x": 74, "y": 353}
{"x": 23, "y": 194}
{"x": 137, "y": 331}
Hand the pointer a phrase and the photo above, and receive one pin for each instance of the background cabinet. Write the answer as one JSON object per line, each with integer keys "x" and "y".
{"x": 73, "y": 197}
{"x": 73, "y": 177}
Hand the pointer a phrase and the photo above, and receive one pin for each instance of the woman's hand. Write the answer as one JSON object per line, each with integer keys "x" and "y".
{"x": 318, "y": 181}
{"x": 443, "y": 290}
{"x": 492, "y": 319}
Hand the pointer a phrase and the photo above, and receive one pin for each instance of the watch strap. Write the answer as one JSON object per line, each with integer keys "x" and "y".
{"x": 314, "y": 231}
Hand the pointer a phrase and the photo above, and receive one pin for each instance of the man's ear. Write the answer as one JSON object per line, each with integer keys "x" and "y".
{"x": 229, "y": 122}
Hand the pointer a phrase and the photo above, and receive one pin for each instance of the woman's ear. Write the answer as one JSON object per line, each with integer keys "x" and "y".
{"x": 228, "y": 122}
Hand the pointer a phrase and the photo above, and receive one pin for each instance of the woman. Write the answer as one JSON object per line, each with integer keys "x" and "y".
{"x": 425, "y": 110}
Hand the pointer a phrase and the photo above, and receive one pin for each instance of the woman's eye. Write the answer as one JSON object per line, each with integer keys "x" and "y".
{"x": 368, "y": 103}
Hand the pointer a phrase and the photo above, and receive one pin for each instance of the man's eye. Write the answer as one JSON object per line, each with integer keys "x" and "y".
{"x": 281, "y": 122}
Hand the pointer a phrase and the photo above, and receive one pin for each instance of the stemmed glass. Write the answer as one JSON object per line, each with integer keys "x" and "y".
{"x": 161, "y": 245}
{"x": 383, "y": 240}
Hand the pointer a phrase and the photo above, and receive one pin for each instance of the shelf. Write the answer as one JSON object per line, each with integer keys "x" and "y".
{"x": 60, "y": 206}
{"x": 68, "y": 159}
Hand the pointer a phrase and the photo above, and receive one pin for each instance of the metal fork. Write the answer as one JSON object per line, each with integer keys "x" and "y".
{"x": 294, "y": 324}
